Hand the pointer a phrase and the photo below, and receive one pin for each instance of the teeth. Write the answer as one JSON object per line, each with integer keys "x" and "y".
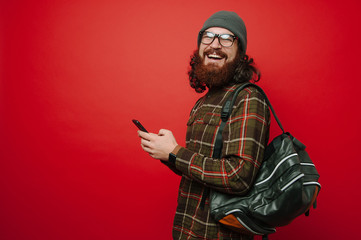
{"x": 214, "y": 56}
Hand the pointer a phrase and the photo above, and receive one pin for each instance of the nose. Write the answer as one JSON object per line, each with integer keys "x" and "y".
{"x": 215, "y": 44}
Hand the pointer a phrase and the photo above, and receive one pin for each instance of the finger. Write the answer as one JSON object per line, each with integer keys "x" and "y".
{"x": 144, "y": 135}
{"x": 146, "y": 149}
{"x": 145, "y": 142}
{"x": 163, "y": 132}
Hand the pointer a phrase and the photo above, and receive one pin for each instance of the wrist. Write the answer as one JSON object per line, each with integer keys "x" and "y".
{"x": 176, "y": 149}
{"x": 173, "y": 155}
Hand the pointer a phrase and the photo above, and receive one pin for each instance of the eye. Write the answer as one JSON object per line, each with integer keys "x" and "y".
{"x": 226, "y": 37}
{"x": 209, "y": 35}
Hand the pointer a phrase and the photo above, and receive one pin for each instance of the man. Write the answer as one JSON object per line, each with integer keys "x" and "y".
{"x": 220, "y": 64}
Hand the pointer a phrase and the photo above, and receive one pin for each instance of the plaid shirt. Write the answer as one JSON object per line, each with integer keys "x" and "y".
{"x": 244, "y": 139}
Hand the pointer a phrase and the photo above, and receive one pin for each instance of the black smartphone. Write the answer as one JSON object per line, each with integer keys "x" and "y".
{"x": 139, "y": 125}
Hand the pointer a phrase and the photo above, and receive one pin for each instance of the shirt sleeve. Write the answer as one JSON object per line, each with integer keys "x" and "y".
{"x": 172, "y": 167}
{"x": 244, "y": 139}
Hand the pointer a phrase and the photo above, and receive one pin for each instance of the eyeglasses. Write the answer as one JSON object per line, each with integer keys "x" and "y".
{"x": 226, "y": 40}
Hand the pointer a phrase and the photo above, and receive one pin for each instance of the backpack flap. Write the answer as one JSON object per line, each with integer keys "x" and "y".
{"x": 282, "y": 196}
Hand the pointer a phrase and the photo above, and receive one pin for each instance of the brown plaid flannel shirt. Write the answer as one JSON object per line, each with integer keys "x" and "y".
{"x": 244, "y": 139}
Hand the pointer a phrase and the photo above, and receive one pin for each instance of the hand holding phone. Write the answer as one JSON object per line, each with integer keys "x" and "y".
{"x": 139, "y": 125}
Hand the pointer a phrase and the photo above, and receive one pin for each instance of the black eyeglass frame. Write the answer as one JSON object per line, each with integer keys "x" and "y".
{"x": 218, "y": 36}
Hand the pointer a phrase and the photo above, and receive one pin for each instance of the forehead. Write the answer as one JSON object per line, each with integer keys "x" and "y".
{"x": 219, "y": 30}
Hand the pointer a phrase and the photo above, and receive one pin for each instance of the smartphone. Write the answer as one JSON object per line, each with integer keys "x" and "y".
{"x": 139, "y": 125}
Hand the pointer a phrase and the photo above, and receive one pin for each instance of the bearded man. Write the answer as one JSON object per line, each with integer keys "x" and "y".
{"x": 220, "y": 64}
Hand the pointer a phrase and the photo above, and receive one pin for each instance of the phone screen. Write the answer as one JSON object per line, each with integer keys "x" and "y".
{"x": 139, "y": 125}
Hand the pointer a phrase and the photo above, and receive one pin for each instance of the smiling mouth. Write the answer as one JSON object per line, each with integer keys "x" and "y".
{"x": 214, "y": 56}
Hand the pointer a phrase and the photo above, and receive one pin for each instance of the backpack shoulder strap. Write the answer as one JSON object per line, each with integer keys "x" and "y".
{"x": 227, "y": 110}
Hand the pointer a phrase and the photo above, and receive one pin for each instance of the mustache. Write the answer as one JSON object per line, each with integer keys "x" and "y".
{"x": 214, "y": 51}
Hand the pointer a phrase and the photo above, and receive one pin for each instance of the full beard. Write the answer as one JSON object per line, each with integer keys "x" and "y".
{"x": 212, "y": 75}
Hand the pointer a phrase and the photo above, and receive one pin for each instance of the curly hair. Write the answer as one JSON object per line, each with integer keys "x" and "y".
{"x": 244, "y": 71}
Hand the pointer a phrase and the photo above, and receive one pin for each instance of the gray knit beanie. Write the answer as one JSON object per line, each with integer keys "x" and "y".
{"x": 230, "y": 21}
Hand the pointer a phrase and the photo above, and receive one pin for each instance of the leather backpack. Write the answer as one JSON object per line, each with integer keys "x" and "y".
{"x": 286, "y": 185}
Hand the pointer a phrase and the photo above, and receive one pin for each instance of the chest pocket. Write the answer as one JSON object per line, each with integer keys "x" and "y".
{"x": 201, "y": 132}
{"x": 211, "y": 119}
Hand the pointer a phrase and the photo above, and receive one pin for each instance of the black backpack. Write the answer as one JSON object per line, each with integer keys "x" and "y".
{"x": 285, "y": 187}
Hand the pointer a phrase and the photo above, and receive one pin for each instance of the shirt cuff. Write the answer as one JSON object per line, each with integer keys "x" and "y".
{"x": 184, "y": 160}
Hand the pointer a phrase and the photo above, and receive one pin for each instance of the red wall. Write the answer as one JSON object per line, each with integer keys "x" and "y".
{"x": 74, "y": 74}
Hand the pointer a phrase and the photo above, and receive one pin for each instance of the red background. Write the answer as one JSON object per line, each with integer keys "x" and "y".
{"x": 74, "y": 74}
